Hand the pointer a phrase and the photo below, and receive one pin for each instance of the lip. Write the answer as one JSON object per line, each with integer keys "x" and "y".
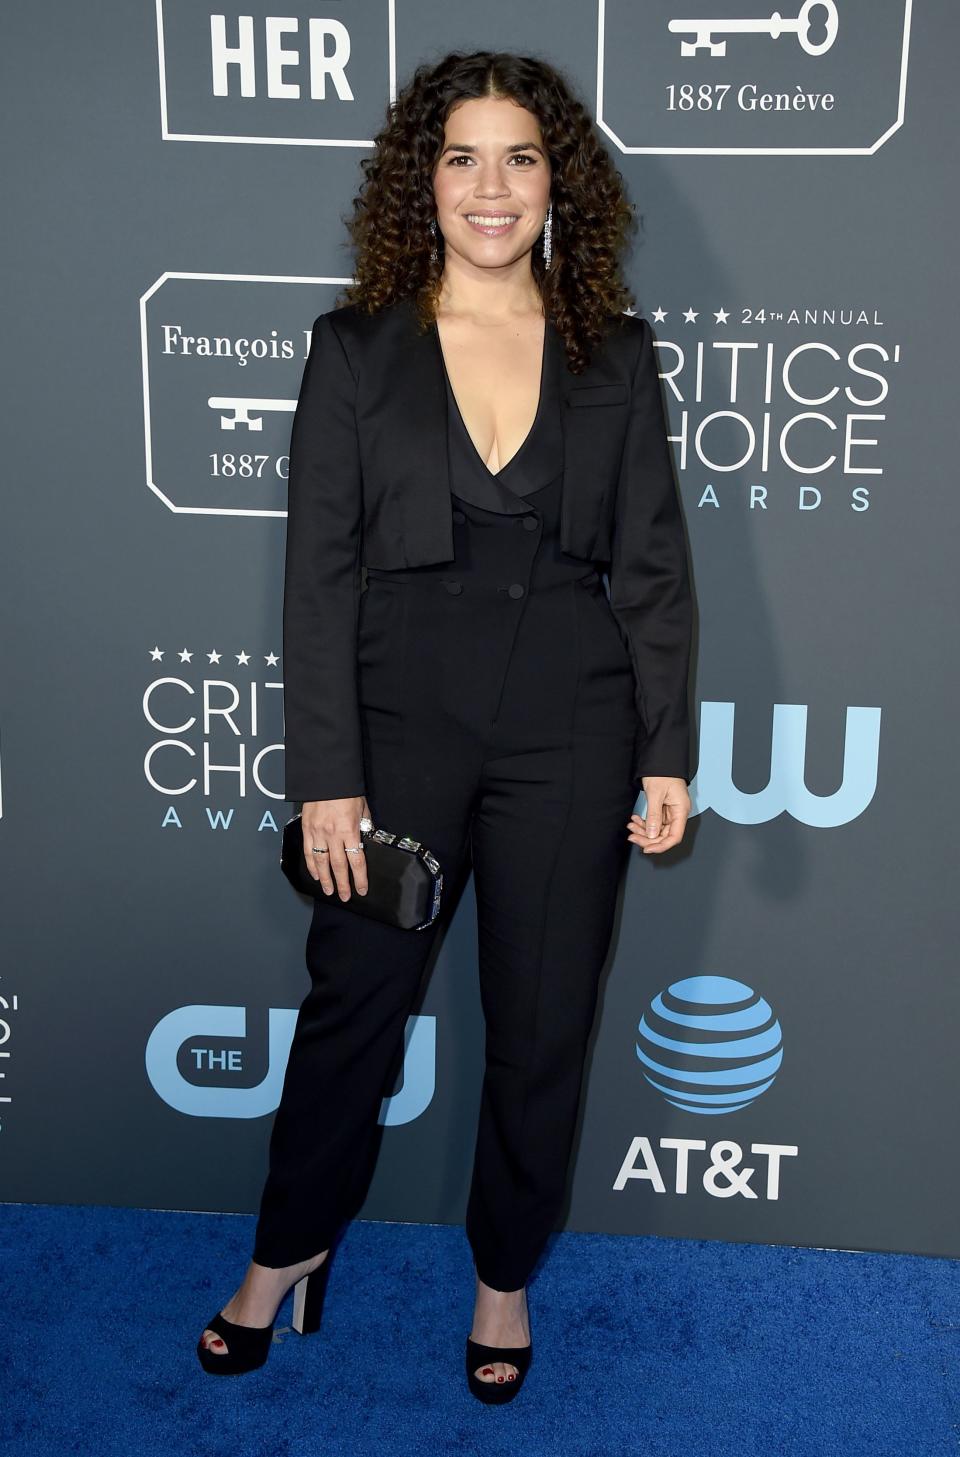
{"x": 489, "y": 232}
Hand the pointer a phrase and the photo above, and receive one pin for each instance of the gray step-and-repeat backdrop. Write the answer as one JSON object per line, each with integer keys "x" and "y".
{"x": 776, "y": 1054}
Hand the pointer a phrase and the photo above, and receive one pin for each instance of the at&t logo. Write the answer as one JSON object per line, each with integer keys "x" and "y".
{"x": 709, "y": 1044}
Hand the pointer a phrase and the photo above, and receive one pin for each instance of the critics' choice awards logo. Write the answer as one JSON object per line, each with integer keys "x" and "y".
{"x": 222, "y": 358}
{"x": 302, "y": 78}
{"x": 707, "y": 76}
{"x": 206, "y": 1062}
{"x": 215, "y": 732}
{"x": 777, "y": 406}
{"x": 709, "y": 1045}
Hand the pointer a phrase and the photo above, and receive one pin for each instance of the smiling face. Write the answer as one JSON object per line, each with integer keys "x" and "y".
{"x": 492, "y": 182}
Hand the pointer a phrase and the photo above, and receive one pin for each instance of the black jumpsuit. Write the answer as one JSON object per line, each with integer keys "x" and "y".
{"x": 498, "y": 715}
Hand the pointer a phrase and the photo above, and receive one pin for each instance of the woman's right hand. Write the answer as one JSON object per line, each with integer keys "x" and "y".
{"x": 332, "y": 824}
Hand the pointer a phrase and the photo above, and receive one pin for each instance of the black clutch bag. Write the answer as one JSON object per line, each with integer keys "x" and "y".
{"x": 403, "y": 878}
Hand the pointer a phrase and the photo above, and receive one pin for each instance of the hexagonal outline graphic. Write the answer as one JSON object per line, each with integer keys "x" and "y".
{"x": 147, "y": 425}
{"x": 169, "y": 136}
{"x": 757, "y": 151}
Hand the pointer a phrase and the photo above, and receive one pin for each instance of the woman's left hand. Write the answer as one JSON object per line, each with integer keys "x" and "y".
{"x": 668, "y": 808}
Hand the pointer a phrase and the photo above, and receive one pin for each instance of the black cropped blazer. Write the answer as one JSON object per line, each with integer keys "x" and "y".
{"x": 369, "y": 486}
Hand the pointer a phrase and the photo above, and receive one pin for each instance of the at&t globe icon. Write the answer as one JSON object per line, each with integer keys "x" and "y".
{"x": 709, "y": 1044}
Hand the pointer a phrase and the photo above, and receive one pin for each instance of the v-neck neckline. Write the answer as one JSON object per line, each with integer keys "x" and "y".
{"x": 495, "y": 474}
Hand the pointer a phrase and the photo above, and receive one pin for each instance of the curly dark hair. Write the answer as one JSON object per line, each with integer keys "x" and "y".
{"x": 583, "y": 291}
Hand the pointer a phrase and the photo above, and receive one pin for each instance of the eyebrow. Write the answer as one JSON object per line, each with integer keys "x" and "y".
{"x": 513, "y": 147}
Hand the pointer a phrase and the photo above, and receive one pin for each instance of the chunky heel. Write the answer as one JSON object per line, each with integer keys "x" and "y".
{"x": 308, "y": 1296}
{"x": 248, "y": 1346}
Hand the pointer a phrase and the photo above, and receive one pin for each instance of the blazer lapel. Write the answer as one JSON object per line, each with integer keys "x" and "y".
{"x": 404, "y": 429}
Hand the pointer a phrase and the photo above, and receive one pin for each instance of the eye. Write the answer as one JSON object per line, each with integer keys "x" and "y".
{"x": 516, "y": 157}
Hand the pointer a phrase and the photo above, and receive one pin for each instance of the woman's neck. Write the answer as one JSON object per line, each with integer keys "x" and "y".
{"x": 488, "y": 300}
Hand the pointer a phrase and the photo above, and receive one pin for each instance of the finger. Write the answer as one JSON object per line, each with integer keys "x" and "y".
{"x": 358, "y": 866}
{"x": 340, "y": 870}
{"x": 322, "y": 862}
{"x": 671, "y": 837}
{"x": 354, "y": 858}
{"x": 654, "y": 818}
{"x": 315, "y": 863}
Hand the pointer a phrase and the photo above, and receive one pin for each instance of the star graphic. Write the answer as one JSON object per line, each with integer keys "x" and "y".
{"x": 242, "y": 658}
{"x": 185, "y": 656}
{"x": 721, "y": 315}
{"x": 658, "y": 315}
{"x": 631, "y": 313}
{"x": 156, "y": 654}
{"x": 271, "y": 659}
{"x": 213, "y": 656}
{"x": 690, "y": 315}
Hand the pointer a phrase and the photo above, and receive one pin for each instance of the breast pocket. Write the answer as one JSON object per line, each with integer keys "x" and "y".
{"x": 597, "y": 394}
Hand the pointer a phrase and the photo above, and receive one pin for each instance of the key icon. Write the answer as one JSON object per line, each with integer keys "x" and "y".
{"x": 238, "y": 411}
{"x": 775, "y": 25}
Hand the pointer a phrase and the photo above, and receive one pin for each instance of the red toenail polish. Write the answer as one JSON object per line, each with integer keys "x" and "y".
{"x": 510, "y": 1377}
{"x": 487, "y": 1371}
{"x": 218, "y": 1342}
{"x": 499, "y": 1378}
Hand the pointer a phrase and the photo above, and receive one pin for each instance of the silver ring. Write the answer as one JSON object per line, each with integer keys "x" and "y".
{"x": 366, "y": 825}
{"x": 320, "y": 850}
{"x": 353, "y": 849}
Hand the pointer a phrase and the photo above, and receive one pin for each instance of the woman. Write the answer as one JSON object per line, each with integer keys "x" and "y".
{"x": 481, "y": 427}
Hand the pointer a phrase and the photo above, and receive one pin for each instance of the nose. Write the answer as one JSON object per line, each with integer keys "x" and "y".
{"x": 490, "y": 183}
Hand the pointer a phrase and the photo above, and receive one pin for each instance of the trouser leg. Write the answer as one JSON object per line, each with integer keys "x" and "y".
{"x": 549, "y": 842}
{"x": 348, "y": 1036}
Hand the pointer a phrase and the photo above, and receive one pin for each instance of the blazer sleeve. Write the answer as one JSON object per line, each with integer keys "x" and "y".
{"x": 649, "y": 582}
{"x": 323, "y": 755}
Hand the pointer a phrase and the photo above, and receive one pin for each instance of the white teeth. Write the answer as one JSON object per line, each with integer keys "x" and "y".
{"x": 499, "y": 222}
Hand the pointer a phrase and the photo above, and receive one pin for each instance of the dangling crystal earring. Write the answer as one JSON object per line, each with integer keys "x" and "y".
{"x": 548, "y": 237}
{"x": 433, "y": 247}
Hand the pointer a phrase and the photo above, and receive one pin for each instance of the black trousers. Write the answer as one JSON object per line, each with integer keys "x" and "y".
{"x": 499, "y": 729}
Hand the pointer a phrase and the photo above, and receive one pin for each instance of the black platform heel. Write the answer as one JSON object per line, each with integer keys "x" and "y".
{"x": 308, "y": 1296}
{"x": 496, "y": 1392}
{"x": 248, "y": 1346}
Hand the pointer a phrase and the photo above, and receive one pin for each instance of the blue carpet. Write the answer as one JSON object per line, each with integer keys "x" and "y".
{"x": 643, "y": 1347}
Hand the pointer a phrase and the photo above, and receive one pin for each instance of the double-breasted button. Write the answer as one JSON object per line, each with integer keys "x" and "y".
{"x": 515, "y": 589}
{"x": 530, "y": 523}
{"x": 454, "y": 587}
{"x": 459, "y": 517}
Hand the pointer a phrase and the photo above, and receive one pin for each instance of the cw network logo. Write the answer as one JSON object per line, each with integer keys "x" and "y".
{"x": 786, "y": 791}
{"x": 197, "y": 1057}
